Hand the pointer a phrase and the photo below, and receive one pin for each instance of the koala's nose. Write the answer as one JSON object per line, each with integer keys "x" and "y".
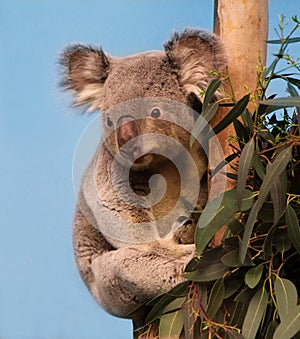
{"x": 127, "y": 129}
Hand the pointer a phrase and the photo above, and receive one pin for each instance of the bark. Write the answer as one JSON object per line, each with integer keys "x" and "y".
{"x": 243, "y": 27}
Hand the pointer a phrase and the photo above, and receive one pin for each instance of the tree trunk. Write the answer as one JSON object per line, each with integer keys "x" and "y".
{"x": 243, "y": 28}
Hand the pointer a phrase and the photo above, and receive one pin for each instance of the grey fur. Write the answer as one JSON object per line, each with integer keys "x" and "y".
{"x": 120, "y": 275}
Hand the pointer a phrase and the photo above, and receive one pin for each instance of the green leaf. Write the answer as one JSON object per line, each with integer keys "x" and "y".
{"x": 282, "y": 102}
{"x": 292, "y": 90}
{"x": 241, "y": 131}
{"x": 203, "y": 120}
{"x": 271, "y": 329}
{"x": 258, "y": 166}
{"x": 209, "y": 273}
{"x": 270, "y": 69}
{"x": 188, "y": 323}
{"x": 171, "y": 324}
{"x": 278, "y": 195}
{"x": 256, "y": 310}
{"x": 294, "y": 81}
{"x": 273, "y": 170}
{"x": 281, "y": 240}
{"x": 232, "y": 285}
{"x": 235, "y": 226}
{"x": 243, "y": 169}
{"x": 293, "y": 227}
{"x": 286, "y": 297}
{"x": 247, "y": 119}
{"x": 248, "y": 230}
{"x": 291, "y": 326}
{"x": 268, "y": 244}
{"x": 252, "y": 277}
{"x": 285, "y": 41}
{"x": 206, "y": 229}
{"x": 162, "y": 301}
{"x": 244, "y": 296}
{"x": 216, "y": 214}
{"x": 223, "y": 163}
{"x": 216, "y": 298}
{"x": 294, "y": 93}
{"x": 211, "y": 89}
{"x": 231, "y": 259}
{"x": 235, "y": 112}
{"x": 238, "y": 314}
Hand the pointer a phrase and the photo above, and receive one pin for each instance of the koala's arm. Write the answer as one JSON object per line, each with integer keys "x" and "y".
{"x": 123, "y": 279}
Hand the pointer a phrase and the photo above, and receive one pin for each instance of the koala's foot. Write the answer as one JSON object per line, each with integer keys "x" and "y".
{"x": 185, "y": 230}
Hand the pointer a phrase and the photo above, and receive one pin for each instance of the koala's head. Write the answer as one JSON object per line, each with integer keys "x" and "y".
{"x": 116, "y": 86}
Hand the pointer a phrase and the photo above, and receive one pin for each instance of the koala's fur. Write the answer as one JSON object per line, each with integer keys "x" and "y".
{"x": 122, "y": 276}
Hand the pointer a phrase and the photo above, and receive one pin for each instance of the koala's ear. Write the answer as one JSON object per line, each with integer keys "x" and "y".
{"x": 84, "y": 70}
{"x": 193, "y": 53}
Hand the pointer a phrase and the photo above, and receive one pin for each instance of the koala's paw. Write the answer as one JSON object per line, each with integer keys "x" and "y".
{"x": 185, "y": 230}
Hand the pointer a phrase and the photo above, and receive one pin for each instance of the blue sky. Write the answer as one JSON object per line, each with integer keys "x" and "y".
{"x": 41, "y": 294}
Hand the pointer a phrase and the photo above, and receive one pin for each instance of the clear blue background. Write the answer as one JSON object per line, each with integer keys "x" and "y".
{"x": 41, "y": 294}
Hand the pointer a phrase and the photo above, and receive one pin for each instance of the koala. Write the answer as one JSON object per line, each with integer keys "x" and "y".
{"x": 133, "y": 226}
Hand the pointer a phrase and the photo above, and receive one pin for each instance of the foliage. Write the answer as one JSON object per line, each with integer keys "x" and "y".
{"x": 249, "y": 286}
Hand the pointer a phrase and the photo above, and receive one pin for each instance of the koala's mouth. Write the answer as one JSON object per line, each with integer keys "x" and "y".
{"x": 144, "y": 160}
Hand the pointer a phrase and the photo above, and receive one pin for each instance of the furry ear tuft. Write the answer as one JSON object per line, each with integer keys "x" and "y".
{"x": 193, "y": 53}
{"x": 84, "y": 71}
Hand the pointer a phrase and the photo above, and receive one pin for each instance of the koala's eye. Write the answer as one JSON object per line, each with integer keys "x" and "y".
{"x": 155, "y": 113}
{"x": 109, "y": 122}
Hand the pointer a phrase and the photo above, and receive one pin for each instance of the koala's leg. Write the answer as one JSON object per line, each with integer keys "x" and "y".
{"x": 123, "y": 279}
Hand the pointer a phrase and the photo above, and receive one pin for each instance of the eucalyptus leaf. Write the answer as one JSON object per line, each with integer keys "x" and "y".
{"x": 203, "y": 120}
{"x": 286, "y": 41}
{"x": 216, "y": 214}
{"x": 238, "y": 314}
{"x": 294, "y": 81}
{"x": 188, "y": 323}
{"x": 291, "y": 326}
{"x": 273, "y": 171}
{"x": 293, "y": 227}
{"x": 268, "y": 244}
{"x": 278, "y": 195}
{"x": 286, "y": 297}
{"x": 292, "y": 90}
{"x": 253, "y": 276}
{"x": 243, "y": 169}
{"x": 216, "y": 298}
{"x": 235, "y": 226}
{"x": 281, "y": 240}
{"x": 241, "y": 131}
{"x": 271, "y": 329}
{"x": 235, "y": 112}
{"x": 270, "y": 69}
{"x": 282, "y": 102}
{"x": 232, "y": 285}
{"x": 256, "y": 310}
{"x": 231, "y": 259}
{"x": 171, "y": 324}
{"x": 211, "y": 89}
{"x": 245, "y": 295}
{"x": 247, "y": 119}
{"x": 209, "y": 273}
{"x": 164, "y": 300}
{"x": 223, "y": 163}
{"x": 234, "y": 335}
{"x": 258, "y": 165}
